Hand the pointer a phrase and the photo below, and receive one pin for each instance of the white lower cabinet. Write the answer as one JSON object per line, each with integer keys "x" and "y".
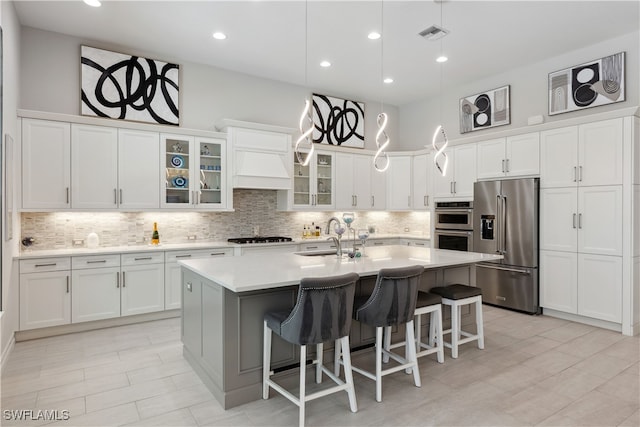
{"x": 172, "y": 272}
{"x": 142, "y": 283}
{"x": 584, "y": 284}
{"x": 45, "y": 293}
{"x": 96, "y": 294}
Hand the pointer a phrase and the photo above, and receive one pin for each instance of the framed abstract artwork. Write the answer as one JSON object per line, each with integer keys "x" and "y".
{"x": 485, "y": 110}
{"x": 587, "y": 85}
{"x": 338, "y": 121}
{"x": 128, "y": 87}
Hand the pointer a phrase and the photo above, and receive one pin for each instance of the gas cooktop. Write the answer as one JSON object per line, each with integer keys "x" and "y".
{"x": 259, "y": 239}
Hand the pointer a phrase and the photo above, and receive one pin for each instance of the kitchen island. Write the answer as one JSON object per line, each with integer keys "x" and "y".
{"x": 224, "y": 302}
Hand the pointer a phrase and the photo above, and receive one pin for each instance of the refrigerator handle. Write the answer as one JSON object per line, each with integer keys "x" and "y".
{"x": 498, "y": 228}
{"x": 504, "y": 225}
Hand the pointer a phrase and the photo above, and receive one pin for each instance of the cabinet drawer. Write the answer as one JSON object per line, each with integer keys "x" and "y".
{"x": 45, "y": 264}
{"x": 95, "y": 261}
{"x": 317, "y": 246}
{"x": 175, "y": 256}
{"x": 142, "y": 258}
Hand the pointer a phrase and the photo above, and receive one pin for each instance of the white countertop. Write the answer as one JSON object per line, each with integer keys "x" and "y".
{"x": 48, "y": 253}
{"x": 253, "y": 272}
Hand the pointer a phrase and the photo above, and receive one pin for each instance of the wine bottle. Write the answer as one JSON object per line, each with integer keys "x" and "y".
{"x": 155, "y": 237}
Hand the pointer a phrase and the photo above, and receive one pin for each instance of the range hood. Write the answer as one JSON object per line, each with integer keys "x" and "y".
{"x": 260, "y": 154}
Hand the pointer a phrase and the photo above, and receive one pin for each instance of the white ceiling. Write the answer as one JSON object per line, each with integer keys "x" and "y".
{"x": 267, "y": 38}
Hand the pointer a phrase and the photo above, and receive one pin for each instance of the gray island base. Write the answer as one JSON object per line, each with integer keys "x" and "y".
{"x": 224, "y": 302}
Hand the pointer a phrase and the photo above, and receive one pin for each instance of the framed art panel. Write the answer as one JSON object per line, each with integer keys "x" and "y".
{"x": 128, "y": 87}
{"x": 485, "y": 110}
{"x": 338, "y": 121}
{"x": 587, "y": 85}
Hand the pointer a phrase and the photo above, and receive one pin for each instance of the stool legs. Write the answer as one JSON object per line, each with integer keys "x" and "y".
{"x": 319, "y": 354}
{"x": 458, "y": 336}
{"x": 303, "y": 377}
{"x": 479, "y": 324}
{"x": 348, "y": 374}
{"x": 455, "y": 330}
{"x": 266, "y": 360}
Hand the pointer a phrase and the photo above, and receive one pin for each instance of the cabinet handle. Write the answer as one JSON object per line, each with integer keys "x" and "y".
{"x": 189, "y": 286}
{"x": 97, "y": 262}
{"x": 67, "y": 284}
{"x": 117, "y": 280}
{"x": 46, "y": 265}
{"x": 115, "y": 196}
{"x": 503, "y": 166}
{"x": 146, "y": 258}
{"x": 580, "y": 174}
{"x": 579, "y": 220}
{"x": 378, "y": 243}
{"x": 356, "y": 198}
{"x": 123, "y": 281}
{"x": 427, "y": 200}
{"x": 574, "y": 220}
{"x": 311, "y": 247}
{"x": 451, "y": 187}
{"x": 454, "y": 187}
{"x": 183, "y": 256}
{"x": 217, "y": 253}
{"x": 121, "y": 196}
{"x": 418, "y": 244}
{"x": 67, "y": 195}
{"x": 373, "y": 201}
{"x": 507, "y": 165}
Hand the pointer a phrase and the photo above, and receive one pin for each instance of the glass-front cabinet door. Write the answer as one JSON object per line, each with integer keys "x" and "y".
{"x": 194, "y": 171}
{"x": 178, "y": 159}
{"x": 211, "y": 172}
{"x": 313, "y": 184}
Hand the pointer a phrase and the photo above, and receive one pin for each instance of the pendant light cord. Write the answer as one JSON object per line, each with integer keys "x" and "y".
{"x": 382, "y": 139}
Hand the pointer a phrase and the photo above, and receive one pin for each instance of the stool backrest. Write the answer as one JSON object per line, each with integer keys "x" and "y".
{"x": 323, "y": 310}
{"x": 393, "y": 300}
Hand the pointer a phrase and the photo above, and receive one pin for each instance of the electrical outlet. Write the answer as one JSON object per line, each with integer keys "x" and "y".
{"x": 192, "y": 237}
{"x": 406, "y": 229}
{"x": 78, "y": 242}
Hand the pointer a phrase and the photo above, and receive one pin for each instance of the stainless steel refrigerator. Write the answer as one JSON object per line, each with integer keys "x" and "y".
{"x": 506, "y": 222}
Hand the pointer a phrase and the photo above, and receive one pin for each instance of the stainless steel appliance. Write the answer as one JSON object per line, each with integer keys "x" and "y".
{"x": 453, "y": 225}
{"x": 506, "y": 222}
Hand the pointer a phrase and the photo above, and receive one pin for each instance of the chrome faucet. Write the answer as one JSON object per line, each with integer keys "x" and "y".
{"x": 328, "y": 230}
{"x": 338, "y": 246}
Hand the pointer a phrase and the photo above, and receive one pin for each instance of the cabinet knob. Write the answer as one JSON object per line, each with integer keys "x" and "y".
{"x": 189, "y": 286}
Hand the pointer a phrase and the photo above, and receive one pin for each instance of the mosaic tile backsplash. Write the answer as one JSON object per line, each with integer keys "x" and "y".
{"x": 253, "y": 209}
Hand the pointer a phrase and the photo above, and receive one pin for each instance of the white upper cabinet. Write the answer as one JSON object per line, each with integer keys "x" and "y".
{"x": 46, "y": 167}
{"x": 94, "y": 167}
{"x": 399, "y": 183}
{"x": 138, "y": 169}
{"x": 589, "y": 154}
{"x": 313, "y": 184}
{"x": 461, "y": 173}
{"x": 509, "y": 157}
{"x": 422, "y": 185}
{"x": 357, "y": 183}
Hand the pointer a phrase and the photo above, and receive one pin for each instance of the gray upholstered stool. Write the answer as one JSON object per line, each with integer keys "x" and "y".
{"x": 456, "y": 296}
{"x": 427, "y": 303}
{"x": 393, "y": 302}
{"x": 322, "y": 313}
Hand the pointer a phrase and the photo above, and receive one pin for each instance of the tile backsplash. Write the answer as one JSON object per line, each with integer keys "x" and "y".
{"x": 253, "y": 208}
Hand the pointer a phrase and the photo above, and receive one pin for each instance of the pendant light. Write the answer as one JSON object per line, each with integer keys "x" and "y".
{"x": 305, "y": 124}
{"x": 440, "y": 158}
{"x": 381, "y": 158}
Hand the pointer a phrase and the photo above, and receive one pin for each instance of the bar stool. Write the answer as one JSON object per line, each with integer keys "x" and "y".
{"x": 427, "y": 303}
{"x": 322, "y": 313}
{"x": 456, "y": 296}
{"x": 393, "y": 302}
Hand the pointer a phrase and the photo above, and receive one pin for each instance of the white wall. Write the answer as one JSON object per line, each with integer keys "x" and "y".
{"x": 528, "y": 94}
{"x": 10, "y": 85}
{"x": 50, "y": 65}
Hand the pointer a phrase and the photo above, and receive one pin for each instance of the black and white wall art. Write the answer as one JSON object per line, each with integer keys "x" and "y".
{"x": 128, "y": 87}
{"x": 591, "y": 84}
{"x": 338, "y": 121}
{"x": 485, "y": 110}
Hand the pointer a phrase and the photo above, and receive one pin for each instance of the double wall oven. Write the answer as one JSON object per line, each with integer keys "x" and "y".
{"x": 454, "y": 225}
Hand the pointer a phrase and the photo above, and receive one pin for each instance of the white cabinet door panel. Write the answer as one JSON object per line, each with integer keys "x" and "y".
{"x": 399, "y": 183}
{"x": 600, "y": 220}
{"x": 558, "y": 219}
{"x": 465, "y": 170}
{"x": 600, "y": 287}
{"x": 142, "y": 289}
{"x": 559, "y": 281}
{"x": 558, "y": 157}
{"x": 173, "y": 286}
{"x": 46, "y": 164}
{"x": 138, "y": 169}
{"x": 600, "y": 153}
{"x": 378, "y": 189}
{"x": 523, "y": 155}
{"x": 96, "y": 294}
{"x": 45, "y": 299}
{"x": 491, "y": 159}
{"x": 419, "y": 185}
{"x": 345, "y": 180}
{"x": 362, "y": 170}
{"x": 94, "y": 167}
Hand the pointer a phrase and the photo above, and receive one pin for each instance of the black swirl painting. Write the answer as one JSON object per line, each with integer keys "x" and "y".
{"x": 338, "y": 121}
{"x": 129, "y": 87}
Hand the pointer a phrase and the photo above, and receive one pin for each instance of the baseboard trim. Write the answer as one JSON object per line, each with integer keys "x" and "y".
{"x": 6, "y": 352}
{"x": 97, "y": 324}
{"x": 582, "y": 319}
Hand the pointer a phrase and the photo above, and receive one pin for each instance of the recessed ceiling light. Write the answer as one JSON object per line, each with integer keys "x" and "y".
{"x": 373, "y": 35}
{"x": 442, "y": 58}
{"x": 325, "y": 64}
{"x": 219, "y": 36}
{"x": 93, "y": 3}
{"x": 388, "y": 80}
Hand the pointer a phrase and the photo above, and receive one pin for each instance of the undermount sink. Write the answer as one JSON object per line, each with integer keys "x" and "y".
{"x": 317, "y": 253}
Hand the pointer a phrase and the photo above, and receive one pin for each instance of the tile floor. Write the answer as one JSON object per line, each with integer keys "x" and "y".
{"x": 534, "y": 371}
